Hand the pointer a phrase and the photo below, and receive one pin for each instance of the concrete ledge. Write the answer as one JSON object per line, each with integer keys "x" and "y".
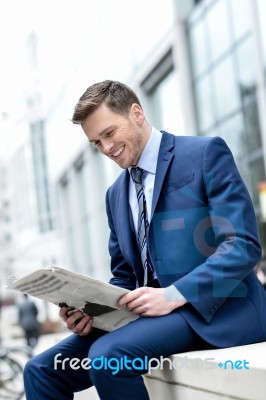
{"x": 196, "y": 375}
{"x": 89, "y": 394}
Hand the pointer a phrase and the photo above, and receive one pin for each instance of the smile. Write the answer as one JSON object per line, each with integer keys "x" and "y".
{"x": 118, "y": 152}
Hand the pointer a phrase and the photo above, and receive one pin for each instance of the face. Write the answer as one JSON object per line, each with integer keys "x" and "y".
{"x": 118, "y": 137}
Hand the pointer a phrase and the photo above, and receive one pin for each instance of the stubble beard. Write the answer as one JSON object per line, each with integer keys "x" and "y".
{"x": 134, "y": 159}
{"x": 135, "y": 154}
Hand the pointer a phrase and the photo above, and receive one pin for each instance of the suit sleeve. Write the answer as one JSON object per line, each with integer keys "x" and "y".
{"x": 233, "y": 222}
{"x": 123, "y": 275}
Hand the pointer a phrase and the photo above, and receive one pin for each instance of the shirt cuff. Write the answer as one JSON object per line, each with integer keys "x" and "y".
{"x": 173, "y": 294}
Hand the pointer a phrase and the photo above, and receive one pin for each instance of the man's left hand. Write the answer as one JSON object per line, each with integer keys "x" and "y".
{"x": 149, "y": 302}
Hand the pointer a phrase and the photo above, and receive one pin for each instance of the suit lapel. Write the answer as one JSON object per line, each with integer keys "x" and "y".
{"x": 123, "y": 210}
{"x": 164, "y": 160}
{"x": 127, "y": 236}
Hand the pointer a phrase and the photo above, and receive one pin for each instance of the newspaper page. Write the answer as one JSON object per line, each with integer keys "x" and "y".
{"x": 62, "y": 287}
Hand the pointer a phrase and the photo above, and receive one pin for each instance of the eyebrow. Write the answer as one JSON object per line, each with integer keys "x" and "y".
{"x": 103, "y": 132}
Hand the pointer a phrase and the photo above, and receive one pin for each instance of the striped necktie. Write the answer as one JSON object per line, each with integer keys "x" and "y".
{"x": 143, "y": 223}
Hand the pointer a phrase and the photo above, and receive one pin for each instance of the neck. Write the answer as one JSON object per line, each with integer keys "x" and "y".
{"x": 146, "y": 133}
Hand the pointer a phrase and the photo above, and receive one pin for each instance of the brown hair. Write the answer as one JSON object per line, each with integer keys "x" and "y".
{"x": 116, "y": 95}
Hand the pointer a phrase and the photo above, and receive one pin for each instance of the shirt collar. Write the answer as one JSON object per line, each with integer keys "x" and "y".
{"x": 149, "y": 156}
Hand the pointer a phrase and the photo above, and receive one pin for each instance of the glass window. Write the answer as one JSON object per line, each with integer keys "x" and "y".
{"x": 67, "y": 222}
{"x": 257, "y": 175}
{"x": 40, "y": 169}
{"x": 167, "y": 105}
{"x": 252, "y": 125}
{"x": 84, "y": 251}
{"x": 205, "y": 103}
{"x": 233, "y": 132}
{"x": 198, "y": 48}
{"x": 246, "y": 69}
{"x": 227, "y": 97}
{"x": 218, "y": 24}
{"x": 25, "y": 207}
{"x": 262, "y": 22}
{"x": 154, "y": 20}
{"x": 211, "y": 132}
{"x": 241, "y": 16}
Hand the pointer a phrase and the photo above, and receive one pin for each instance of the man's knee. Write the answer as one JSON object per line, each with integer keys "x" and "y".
{"x": 37, "y": 366}
{"x": 32, "y": 372}
{"x": 27, "y": 368}
{"x": 99, "y": 349}
{"x": 106, "y": 347}
{"x": 110, "y": 358}
{"x": 103, "y": 354}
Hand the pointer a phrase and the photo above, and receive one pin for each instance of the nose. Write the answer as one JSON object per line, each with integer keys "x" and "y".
{"x": 107, "y": 146}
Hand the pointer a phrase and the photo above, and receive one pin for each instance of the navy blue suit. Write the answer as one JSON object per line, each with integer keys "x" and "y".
{"x": 203, "y": 240}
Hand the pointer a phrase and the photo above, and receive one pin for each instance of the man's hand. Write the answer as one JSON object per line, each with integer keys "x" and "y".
{"x": 77, "y": 322}
{"x": 149, "y": 302}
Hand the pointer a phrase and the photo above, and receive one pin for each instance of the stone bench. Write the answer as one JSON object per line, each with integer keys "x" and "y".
{"x": 196, "y": 375}
{"x": 199, "y": 377}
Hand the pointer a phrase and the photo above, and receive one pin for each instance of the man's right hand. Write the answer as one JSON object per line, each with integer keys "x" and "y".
{"x": 77, "y": 322}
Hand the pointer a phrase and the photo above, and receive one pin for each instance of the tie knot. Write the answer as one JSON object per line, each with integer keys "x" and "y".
{"x": 136, "y": 174}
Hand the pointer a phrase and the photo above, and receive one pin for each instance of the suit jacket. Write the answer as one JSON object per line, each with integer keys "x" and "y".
{"x": 202, "y": 238}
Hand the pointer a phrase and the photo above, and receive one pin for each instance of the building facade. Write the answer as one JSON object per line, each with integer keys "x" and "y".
{"x": 198, "y": 68}
{"x": 205, "y": 75}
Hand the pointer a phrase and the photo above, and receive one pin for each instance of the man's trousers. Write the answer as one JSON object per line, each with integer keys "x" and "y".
{"x": 64, "y": 369}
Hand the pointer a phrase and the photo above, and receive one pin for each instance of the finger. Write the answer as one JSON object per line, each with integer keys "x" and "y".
{"x": 80, "y": 324}
{"x": 123, "y": 300}
{"x": 63, "y": 312}
{"x": 73, "y": 319}
{"x": 141, "y": 311}
{"x": 135, "y": 304}
{"x": 72, "y": 326}
{"x": 134, "y": 294}
{"x": 87, "y": 328}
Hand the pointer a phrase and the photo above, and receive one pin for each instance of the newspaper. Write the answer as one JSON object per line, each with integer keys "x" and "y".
{"x": 62, "y": 287}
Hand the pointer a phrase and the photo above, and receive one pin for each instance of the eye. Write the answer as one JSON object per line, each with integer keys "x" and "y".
{"x": 96, "y": 143}
{"x": 108, "y": 134}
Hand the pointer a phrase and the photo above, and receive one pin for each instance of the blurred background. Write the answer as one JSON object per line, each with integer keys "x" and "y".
{"x": 199, "y": 68}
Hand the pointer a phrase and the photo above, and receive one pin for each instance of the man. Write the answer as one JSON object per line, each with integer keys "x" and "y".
{"x": 183, "y": 239}
{"x": 28, "y": 320}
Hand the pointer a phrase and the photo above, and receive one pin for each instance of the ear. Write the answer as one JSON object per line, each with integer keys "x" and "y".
{"x": 137, "y": 113}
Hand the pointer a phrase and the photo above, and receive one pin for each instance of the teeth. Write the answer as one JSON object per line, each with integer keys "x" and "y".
{"x": 119, "y": 151}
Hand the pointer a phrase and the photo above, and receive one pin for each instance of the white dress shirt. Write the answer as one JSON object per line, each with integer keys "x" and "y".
{"x": 148, "y": 162}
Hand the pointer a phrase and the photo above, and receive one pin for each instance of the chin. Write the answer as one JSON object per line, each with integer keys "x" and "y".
{"x": 125, "y": 164}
